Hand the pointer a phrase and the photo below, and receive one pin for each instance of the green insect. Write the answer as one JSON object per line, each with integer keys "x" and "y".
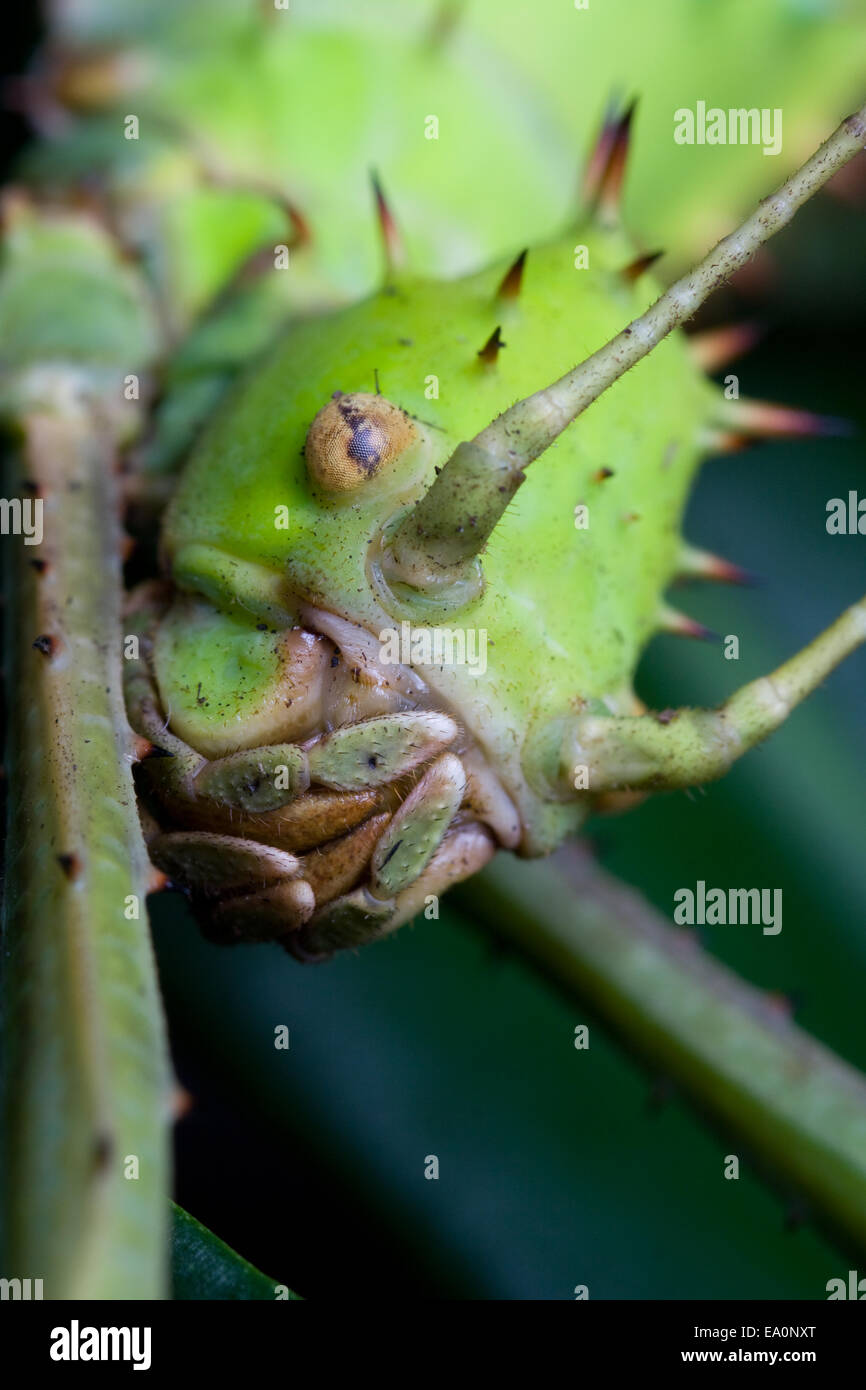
{"x": 358, "y": 524}
{"x": 405, "y": 580}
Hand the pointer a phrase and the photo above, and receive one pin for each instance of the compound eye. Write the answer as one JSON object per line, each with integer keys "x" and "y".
{"x": 353, "y": 438}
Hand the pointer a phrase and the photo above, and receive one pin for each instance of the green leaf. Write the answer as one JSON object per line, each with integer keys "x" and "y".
{"x": 204, "y": 1267}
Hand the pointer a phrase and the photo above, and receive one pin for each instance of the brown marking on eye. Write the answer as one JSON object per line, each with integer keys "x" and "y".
{"x": 353, "y": 437}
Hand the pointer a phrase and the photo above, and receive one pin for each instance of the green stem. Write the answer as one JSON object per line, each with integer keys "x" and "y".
{"x": 800, "y": 1109}
{"x": 86, "y": 1080}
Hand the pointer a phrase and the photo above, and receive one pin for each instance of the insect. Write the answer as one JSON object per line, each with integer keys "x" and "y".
{"x": 384, "y": 469}
{"x": 382, "y": 641}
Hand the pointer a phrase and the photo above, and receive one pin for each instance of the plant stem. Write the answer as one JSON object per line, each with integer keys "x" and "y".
{"x": 87, "y": 1078}
{"x": 800, "y": 1109}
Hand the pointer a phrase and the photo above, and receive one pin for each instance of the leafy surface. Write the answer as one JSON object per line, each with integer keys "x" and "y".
{"x": 204, "y": 1267}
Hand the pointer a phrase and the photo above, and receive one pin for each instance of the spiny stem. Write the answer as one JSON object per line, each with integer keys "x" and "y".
{"x": 86, "y": 1070}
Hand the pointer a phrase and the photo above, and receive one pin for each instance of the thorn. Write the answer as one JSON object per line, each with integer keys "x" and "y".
{"x": 610, "y": 191}
{"x": 513, "y": 278}
{"x": 392, "y": 243}
{"x": 607, "y": 165}
{"x": 715, "y": 441}
{"x": 669, "y": 620}
{"x": 301, "y": 232}
{"x": 716, "y": 347}
{"x": 141, "y": 748}
{"x": 490, "y": 350}
{"x": 602, "y": 474}
{"x": 780, "y": 1002}
{"x": 156, "y": 881}
{"x": 71, "y": 865}
{"x": 599, "y": 156}
{"x": 765, "y": 420}
{"x": 702, "y": 564}
{"x": 635, "y": 269}
{"x": 180, "y": 1103}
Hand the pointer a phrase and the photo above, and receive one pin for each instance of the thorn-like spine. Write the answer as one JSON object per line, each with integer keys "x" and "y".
{"x": 392, "y": 242}
{"x": 605, "y": 171}
{"x": 702, "y": 564}
{"x": 636, "y": 268}
{"x": 670, "y": 620}
{"x": 512, "y": 280}
{"x": 766, "y": 420}
{"x": 491, "y": 349}
{"x": 714, "y": 348}
{"x": 716, "y": 441}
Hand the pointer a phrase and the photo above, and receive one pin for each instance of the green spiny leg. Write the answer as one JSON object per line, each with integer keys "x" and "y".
{"x": 378, "y": 750}
{"x": 416, "y": 858}
{"x": 279, "y": 908}
{"x": 218, "y": 870}
{"x": 253, "y": 891}
{"x": 683, "y": 748}
{"x": 419, "y": 827}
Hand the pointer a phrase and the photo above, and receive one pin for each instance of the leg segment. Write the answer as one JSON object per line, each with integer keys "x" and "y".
{"x": 683, "y": 748}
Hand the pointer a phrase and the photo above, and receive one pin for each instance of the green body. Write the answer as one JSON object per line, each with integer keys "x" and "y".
{"x": 566, "y": 607}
